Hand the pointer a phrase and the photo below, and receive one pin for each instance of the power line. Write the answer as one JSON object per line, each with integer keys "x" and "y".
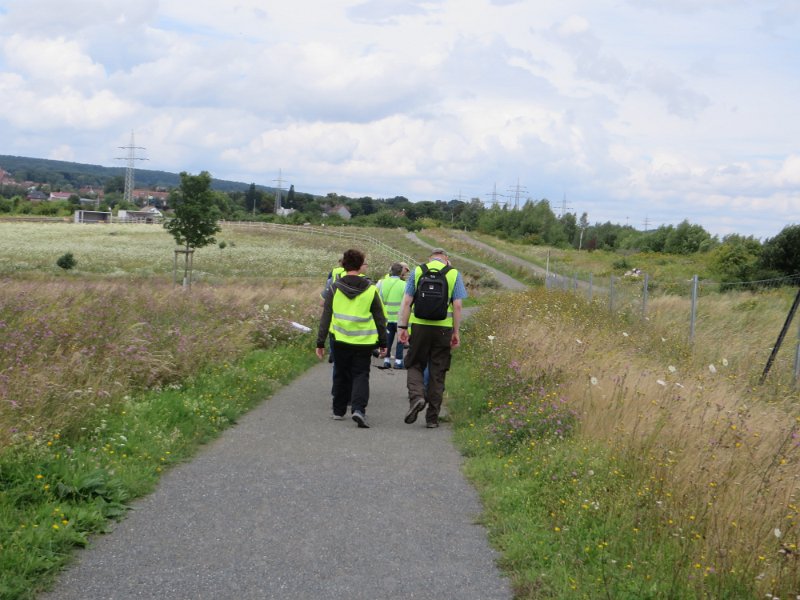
{"x": 516, "y": 192}
{"x": 131, "y": 159}
{"x": 278, "y": 191}
{"x": 564, "y": 207}
{"x": 494, "y": 195}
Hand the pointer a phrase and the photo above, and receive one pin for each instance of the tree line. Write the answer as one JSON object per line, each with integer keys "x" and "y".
{"x": 734, "y": 258}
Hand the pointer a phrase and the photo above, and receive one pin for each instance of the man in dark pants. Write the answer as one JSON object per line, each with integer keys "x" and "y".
{"x": 354, "y": 314}
{"x": 430, "y": 341}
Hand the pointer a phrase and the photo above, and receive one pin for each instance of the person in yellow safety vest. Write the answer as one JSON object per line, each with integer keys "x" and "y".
{"x": 391, "y": 289}
{"x": 353, "y": 312}
{"x": 430, "y": 342}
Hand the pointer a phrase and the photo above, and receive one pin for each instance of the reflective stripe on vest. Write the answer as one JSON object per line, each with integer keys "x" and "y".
{"x": 392, "y": 295}
{"x": 451, "y": 277}
{"x": 352, "y": 321}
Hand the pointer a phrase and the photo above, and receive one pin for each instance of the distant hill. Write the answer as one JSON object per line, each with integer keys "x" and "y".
{"x": 64, "y": 174}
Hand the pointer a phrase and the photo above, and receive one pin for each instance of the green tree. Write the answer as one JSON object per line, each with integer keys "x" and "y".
{"x": 687, "y": 239}
{"x": 782, "y": 252}
{"x": 196, "y": 214}
{"x": 737, "y": 258}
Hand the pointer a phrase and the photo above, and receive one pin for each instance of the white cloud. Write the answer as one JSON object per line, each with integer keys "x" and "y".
{"x": 644, "y": 110}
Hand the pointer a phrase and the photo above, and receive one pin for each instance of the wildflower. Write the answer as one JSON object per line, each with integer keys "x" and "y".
{"x": 625, "y": 333}
{"x": 593, "y": 380}
{"x": 491, "y": 338}
{"x": 712, "y": 368}
{"x": 578, "y": 341}
{"x": 672, "y": 369}
{"x": 266, "y": 307}
{"x": 777, "y": 533}
{"x": 724, "y": 362}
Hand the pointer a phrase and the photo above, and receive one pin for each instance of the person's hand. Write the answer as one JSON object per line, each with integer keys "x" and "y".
{"x": 320, "y": 353}
{"x": 402, "y": 336}
{"x": 455, "y": 340}
{"x": 382, "y": 352}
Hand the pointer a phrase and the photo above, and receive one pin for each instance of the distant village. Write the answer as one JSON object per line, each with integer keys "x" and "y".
{"x": 150, "y": 204}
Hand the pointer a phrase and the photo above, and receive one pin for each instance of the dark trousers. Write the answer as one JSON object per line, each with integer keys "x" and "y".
{"x": 351, "y": 377}
{"x": 429, "y": 346}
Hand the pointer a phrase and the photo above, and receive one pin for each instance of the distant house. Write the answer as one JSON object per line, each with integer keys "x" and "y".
{"x": 339, "y": 210}
{"x": 36, "y": 196}
{"x": 60, "y": 195}
{"x": 150, "y": 197}
{"x": 284, "y": 212}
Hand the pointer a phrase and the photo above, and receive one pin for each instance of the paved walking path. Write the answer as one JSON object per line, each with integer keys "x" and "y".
{"x": 291, "y": 504}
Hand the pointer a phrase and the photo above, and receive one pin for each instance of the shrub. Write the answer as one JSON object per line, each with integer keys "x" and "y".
{"x": 67, "y": 261}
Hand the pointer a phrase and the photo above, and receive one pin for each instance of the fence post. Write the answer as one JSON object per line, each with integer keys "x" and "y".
{"x": 644, "y": 295}
{"x": 693, "y": 317}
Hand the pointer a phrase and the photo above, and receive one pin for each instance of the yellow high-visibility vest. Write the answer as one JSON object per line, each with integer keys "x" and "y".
{"x": 352, "y": 321}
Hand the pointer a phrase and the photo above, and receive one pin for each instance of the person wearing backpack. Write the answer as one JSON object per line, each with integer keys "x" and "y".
{"x": 354, "y": 314}
{"x": 429, "y": 320}
{"x": 392, "y": 288}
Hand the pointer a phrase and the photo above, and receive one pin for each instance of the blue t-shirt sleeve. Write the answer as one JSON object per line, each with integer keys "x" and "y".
{"x": 410, "y": 284}
{"x": 459, "y": 290}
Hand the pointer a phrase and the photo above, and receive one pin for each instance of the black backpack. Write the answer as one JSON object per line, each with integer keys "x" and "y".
{"x": 432, "y": 296}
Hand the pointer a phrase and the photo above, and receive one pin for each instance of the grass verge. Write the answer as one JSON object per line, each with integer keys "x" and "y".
{"x": 54, "y": 493}
{"x": 579, "y": 513}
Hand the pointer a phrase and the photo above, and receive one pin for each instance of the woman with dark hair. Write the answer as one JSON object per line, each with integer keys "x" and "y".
{"x": 354, "y": 314}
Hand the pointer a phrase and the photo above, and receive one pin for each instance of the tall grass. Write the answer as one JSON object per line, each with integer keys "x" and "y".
{"x": 71, "y": 346}
{"x": 610, "y": 445}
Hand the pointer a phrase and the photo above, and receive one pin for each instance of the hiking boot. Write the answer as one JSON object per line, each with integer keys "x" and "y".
{"x": 360, "y": 419}
{"x": 432, "y": 424}
{"x": 412, "y": 413}
{"x": 337, "y": 417}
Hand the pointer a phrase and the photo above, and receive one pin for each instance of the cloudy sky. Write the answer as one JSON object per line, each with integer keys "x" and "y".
{"x": 645, "y": 112}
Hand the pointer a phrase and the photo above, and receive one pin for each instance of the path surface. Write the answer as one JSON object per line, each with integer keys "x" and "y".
{"x": 291, "y": 504}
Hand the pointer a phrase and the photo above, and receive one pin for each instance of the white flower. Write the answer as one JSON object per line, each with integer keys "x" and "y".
{"x": 712, "y": 368}
{"x": 663, "y": 339}
{"x": 724, "y": 362}
{"x": 777, "y": 533}
{"x": 266, "y": 307}
{"x": 491, "y": 338}
{"x": 625, "y": 333}
{"x": 580, "y": 342}
{"x": 672, "y": 369}
{"x": 593, "y": 380}
{"x": 661, "y": 382}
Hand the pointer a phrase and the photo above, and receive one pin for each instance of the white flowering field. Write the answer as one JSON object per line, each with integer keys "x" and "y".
{"x": 146, "y": 250}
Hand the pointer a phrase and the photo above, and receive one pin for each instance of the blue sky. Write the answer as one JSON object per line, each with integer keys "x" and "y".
{"x": 642, "y": 112}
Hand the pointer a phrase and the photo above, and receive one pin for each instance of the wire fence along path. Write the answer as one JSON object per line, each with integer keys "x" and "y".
{"x": 632, "y": 292}
{"x": 347, "y": 233}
